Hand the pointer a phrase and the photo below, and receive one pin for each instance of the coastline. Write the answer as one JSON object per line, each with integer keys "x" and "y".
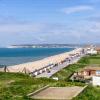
{"x": 10, "y": 57}
{"x": 35, "y": 65}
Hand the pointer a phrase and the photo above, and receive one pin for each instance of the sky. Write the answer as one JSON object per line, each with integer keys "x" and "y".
{"x": 49, "y": 21}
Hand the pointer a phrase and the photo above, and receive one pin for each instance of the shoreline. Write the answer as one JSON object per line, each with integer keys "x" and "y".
{"x": 35, "y": 65}
{"x": 11, "y": 57}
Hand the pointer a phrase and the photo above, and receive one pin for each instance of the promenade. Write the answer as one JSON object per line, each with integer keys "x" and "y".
{"x": 40, "y": 68}
{"x": 59, "y": 67}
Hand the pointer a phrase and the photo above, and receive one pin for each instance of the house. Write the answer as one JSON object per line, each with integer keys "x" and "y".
{"x": 91, "y": 51}
{"x": 86, "y": 73}
{"x": 91, "y": 71}
{"x": 98, "y": 49}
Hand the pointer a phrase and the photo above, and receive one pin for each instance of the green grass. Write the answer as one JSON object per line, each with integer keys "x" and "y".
{"x": 84, "y": 60}
{"x": 94, "y": 61}
{"x": 65, "y": 73}
{"x": 16, "y": 86}
{"x": 90, "y": 93}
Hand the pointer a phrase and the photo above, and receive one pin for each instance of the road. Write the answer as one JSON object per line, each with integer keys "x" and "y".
{"x": 57, "y": 68}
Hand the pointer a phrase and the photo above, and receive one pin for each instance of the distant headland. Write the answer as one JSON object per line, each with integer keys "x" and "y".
{"x": 45, "y": 46}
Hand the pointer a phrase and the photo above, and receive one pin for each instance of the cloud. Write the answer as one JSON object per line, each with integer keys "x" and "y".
{"x": 21, "y": 27}
{"x": 95, "y": 28}
{"x": 37, "y": 33}
{"x": 94, "y": 18}
{"x": 79, "y": 32}
{"x": 76, "y": 9}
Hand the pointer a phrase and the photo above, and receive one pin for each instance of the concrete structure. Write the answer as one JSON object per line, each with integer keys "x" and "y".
{"x": 96, "y": 80}
{"x": 57, "y": 93}
{"x": 55, "y": 78}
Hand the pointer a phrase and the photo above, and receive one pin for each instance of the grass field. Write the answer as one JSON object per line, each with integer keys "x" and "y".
{"x": 93, "y": 59}
{"x": 90, "y": 93}
{"x": 15, "y": 86}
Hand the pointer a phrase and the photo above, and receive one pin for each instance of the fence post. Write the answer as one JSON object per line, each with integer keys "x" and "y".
{"x": 5, "y": 68}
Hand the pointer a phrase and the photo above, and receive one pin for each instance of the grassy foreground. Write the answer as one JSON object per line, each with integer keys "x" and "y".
{"x": 16, "y": 86}
{"x": 90, "y": 93}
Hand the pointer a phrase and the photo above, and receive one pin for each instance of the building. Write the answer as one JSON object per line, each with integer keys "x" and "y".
{"x": 91, "y": 51}
{"x": 86, "y": 74}
{"x": 98, "y": 49}
{"x": 90, "y": 71}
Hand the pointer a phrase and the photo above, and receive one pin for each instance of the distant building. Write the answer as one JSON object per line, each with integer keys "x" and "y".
{"x": 87, "y": 73}
{"x": 98, "y": 49}
{"x": 91, "y": 51}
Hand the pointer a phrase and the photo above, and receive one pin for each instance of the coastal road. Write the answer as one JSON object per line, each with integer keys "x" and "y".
{"x": 57, "y": 68}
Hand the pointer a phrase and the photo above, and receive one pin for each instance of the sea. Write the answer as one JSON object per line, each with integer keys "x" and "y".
{"x": 13, "y": 56}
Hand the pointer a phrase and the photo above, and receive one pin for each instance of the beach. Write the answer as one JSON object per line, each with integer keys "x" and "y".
{"x": 35, "y": 65}
{"x": 15, "y": 56}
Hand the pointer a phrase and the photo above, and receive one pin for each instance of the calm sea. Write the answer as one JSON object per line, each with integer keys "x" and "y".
{"x": 12, "y": 56}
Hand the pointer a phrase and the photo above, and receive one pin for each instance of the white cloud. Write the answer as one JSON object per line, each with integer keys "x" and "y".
{"x": 19, "y": 28}
{"x": 77, "y": 9}
{"x": 95, "y": 28}
{"x": 81, "y": 31}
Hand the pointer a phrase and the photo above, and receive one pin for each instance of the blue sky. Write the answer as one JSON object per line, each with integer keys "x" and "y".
{"x": 49, "y": 21}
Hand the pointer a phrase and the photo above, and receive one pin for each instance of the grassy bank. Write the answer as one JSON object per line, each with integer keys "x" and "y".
{"x": 90, "y": 93}
{"x": 15, "y": 86}
{"x": 65, "y": 73}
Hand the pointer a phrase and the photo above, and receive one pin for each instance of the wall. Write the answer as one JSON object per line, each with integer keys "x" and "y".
{"x": 96, "y": 80}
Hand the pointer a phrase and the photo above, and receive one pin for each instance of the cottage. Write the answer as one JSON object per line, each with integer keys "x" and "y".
{"x": 90, "y": 71}
{"x": 86, "y": 73}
